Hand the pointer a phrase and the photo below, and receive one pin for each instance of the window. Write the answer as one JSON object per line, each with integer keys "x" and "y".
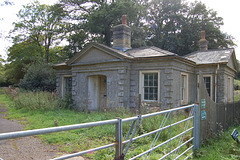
{"x": 184, "y": 88}
{"x": 67, "y": 85}
{"x": 207, "y": 81}
{"x": 149, "y": 85}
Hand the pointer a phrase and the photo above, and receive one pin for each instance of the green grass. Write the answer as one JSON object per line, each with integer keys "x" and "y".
{"x": 82, "y": 139}
{"x": 221, "y": 147}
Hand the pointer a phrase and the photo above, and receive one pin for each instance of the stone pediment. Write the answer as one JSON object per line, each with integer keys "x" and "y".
{"x": 95, "y": 53}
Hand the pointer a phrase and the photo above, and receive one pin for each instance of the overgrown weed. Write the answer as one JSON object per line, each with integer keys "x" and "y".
{"x": 38, "y": 100}
{"x": 39, "y": 116}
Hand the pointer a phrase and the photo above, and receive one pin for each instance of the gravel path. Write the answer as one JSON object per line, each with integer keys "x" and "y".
{"x": 26, "y": 148}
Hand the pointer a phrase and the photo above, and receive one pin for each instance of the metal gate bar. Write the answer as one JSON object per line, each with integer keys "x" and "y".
{"x": 118, "y": 132}
{"x": 129, "y": 132}
{"x": 158, "y": 133}
{"x": 161, "y": 144}
{"x": 139, "y": 121}
{"x": 84, "y": 152}
{"x": 176, "y": 148}
{"x": 55, "y": 129}
{"x": 157, "y": 130}
{"x": 186, "y": 126}
{"x": 185, "y": 152}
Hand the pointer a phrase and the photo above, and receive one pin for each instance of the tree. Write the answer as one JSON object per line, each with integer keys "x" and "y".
{"x": 24, "y": 54}
{"x": 39, "y": 77}
{"x": 166, "y": 19}
{"x": 20, "y": 55}
{"x": 105, "y": 14}
{"x": 42, "y": 24}
{"x": 200, "y": 18}
{"x": 3, "y": 80}
{"x": 176, "y": 26}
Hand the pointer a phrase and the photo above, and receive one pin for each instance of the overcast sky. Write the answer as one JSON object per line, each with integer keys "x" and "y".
{"x": 227, "y": 9}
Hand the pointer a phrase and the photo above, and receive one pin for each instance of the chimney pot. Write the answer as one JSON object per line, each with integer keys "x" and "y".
{"x": 202, "y": 34}
{"x": 124, "y": 19}
{"x": 203, "y": 43}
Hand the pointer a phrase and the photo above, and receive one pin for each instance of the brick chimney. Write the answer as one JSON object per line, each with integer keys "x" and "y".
{"x": 122, "y": 35}
{"x": 203, "y": 43}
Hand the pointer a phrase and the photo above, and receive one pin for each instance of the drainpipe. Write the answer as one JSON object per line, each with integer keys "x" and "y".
{"x": 216, "y": 83}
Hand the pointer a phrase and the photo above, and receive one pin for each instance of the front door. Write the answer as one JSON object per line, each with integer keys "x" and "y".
{"x": 97, "y": 92}
{"x": 102, "y": 92}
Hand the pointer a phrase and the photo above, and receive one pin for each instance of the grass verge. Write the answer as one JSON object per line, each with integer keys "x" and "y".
{"x": 220, "y": 147}
{"x": 82, "y": 139}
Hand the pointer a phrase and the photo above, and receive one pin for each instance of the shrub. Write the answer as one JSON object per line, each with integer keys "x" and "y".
{"x": 66, "y": 102}
{"x": 39, "y": 77}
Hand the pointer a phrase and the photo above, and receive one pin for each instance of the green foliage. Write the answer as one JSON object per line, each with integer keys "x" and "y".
{"x": 172, "y": 21}
{"x": 66, "y": 102}
{"x": 220, "y": 147}
{"x": 237, "y": 76}
{"x": 39, "y": 77}
{"x": 76, "y": 39}
{"x": 3, "y": 79}
{"x": 40, "y": 24}
{"x": 107, "y": 15}
{"x": 162, "y": 23}
{"x": 236, "y": 95}
{"x": 236, "y": 84}
{"x": 19, "y": 56}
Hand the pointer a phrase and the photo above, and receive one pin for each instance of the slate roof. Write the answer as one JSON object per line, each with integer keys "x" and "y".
{"x": 148, "y": 52}
{"x": 142, "y": 52}
{"x": 112, "y": 49}
{"x": 210, "y": 56}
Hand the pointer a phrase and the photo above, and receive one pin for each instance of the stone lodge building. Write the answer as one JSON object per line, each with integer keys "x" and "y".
{"x": 103, "y": 77}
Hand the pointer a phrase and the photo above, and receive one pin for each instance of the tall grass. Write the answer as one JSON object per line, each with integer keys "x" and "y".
{"x": 36, "y": 101}
{"x": 42, "y": 110}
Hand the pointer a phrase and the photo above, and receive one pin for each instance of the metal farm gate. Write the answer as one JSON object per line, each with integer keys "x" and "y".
{"x": 168, "y": 138}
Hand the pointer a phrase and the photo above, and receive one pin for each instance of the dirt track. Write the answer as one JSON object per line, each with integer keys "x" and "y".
{"x": 26, "y": 148}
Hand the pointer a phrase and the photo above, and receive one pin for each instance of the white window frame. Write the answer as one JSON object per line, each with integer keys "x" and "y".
{"x": 141, "y": 84}
{"x": 184, "y": 95}
{"x": 211, "y": 83}
{"x": 63, "y": 83}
